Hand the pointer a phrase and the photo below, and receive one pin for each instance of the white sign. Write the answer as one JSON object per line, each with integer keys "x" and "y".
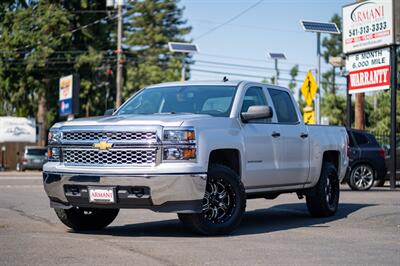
{"x": 66, "y": 87}
{"x": 369, "y": 71}
{"x": 17, "y": 129}
{"x": 367, "y": 25}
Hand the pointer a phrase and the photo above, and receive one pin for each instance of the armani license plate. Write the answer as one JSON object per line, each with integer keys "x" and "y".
{"x": 101, "y": 195}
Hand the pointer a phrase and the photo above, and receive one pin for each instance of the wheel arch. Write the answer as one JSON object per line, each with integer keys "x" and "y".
{"x": 227, "y": 157}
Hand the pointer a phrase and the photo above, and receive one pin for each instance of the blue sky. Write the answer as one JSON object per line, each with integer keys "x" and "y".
{"x": 272, "y": 26}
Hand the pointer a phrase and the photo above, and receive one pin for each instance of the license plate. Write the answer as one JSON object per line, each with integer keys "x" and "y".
{"x": 37, "y": 161}
{"x": 101, "y": 195}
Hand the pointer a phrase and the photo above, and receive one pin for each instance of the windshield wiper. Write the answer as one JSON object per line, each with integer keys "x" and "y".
{"x": 172, "y": 113}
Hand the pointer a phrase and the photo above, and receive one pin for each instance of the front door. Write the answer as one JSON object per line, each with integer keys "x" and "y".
{"x": 261, "y": 144}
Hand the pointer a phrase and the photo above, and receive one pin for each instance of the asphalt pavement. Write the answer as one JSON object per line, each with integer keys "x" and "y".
{"x": 366, "y": 230}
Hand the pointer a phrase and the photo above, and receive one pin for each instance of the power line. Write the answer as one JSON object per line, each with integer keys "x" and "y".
{"x": 245, "y": 66}
{"x": 250, "y": 59}
{"x": 72, "y": 31}
{"x": 229, "y": 20}
{"x": 246, "y": 75}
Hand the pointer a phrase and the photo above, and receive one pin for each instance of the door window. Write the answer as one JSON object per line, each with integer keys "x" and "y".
{"x": 254, "y": 96}
{"x": 284, "y": 108}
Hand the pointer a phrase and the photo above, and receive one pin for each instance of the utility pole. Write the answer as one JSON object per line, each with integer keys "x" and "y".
{"x": 276, "y": 57}
{"x": 119, "y": 81}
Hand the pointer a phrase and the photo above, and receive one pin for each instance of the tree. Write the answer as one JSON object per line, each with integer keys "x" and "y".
{"x": 30, "y": 33}
{"x": 153, "y": 23}
{"x": 44, "y": 40}
{"x": 294, "y": 71}
{"x": 333, "y": 47}
{"x": 334, "y": 107}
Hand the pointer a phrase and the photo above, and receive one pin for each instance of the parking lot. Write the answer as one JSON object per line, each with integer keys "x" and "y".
{"x": 366, "y": 230}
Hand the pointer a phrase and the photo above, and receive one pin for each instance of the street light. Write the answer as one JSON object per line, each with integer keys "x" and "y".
{"x": 276, "y": 57}
{"x": 319, "y": 27}
{"x": 180, "y": 47}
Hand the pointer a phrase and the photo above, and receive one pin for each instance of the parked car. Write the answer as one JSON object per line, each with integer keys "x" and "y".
{"x": 380, "y": 183}
{"x": 199, "y": 149}
{"x": 32, "y": 158}
{"x": 366, "y": 160}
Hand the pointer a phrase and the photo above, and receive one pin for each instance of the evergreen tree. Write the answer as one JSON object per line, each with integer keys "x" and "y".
{"x": 152, "y": 24}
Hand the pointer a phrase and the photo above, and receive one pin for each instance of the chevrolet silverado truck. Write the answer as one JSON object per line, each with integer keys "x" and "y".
{"x": 198, "y": 149}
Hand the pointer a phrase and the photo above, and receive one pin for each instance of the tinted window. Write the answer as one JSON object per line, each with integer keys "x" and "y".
{"x": 254, "y": 96}
{"x": 36, "y": 152}
{"x": 360, "y": 138}
{"x": 284, "y": 108}
{"x": 211, "y": 100}
{"x": 351, "y": 142}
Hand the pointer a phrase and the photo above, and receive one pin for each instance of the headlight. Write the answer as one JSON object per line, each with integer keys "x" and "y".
{"x": 184, "y": 153}
{"x": 54, "y": 137}
{"x": 180, "y": 135}
{"x": 180, "y": 144}
{"x": 53, "y": 154}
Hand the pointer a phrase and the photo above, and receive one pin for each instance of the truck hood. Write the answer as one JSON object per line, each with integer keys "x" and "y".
{"x": 168, "y": 120}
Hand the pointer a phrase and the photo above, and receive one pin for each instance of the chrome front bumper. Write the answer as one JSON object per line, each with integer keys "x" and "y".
{"x": 166, "y": 192}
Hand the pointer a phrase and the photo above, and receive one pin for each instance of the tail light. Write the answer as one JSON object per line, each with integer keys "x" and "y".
{"x": 381, "y": 152}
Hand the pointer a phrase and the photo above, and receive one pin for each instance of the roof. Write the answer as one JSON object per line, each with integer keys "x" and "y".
{"x": 210, "y": 83}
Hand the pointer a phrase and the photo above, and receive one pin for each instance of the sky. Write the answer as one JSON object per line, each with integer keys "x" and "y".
{"x": 271, "y": 26}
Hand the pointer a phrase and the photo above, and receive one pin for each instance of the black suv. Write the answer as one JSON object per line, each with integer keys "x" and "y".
{"x": 366, "y": 160}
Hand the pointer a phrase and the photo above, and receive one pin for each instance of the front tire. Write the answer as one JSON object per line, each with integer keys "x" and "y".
{"x": 224, "y": 204}
{"x": 361, "y": 177}
{"x": 324, "y": 200}
{"x": 82, "y": 219}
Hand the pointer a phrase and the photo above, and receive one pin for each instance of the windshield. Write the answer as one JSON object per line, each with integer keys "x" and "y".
{"x": 211, "y": 100}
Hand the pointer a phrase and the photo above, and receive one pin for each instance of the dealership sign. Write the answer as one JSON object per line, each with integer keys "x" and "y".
{"x": 367, "y": 25}
{"x": 17, "y": 129}
{"x": 69, "y": 95}
{"x": 369, "y": 71}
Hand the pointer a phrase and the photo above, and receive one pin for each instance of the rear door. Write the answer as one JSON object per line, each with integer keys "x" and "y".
{"x": 294, "y": 140}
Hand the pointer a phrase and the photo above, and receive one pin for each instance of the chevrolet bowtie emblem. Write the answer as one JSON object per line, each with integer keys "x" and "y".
{"x": 103, "y": 145}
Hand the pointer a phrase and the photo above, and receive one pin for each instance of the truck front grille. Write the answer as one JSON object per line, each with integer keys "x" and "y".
{"x": 110, "y": 135}
{"x": 116, "y": 157}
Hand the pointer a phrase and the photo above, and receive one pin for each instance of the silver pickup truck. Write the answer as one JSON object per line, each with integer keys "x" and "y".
{"x": 199, "y": 149}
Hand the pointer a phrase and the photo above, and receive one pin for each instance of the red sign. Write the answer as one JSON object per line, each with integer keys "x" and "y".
{"x": 369, "y": 71}
{"x": 374, "y": 78}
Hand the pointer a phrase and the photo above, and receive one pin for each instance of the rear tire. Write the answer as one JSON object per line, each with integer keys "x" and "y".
{"x": 224, "y": 204}
{"x": 361, "y": 177}
{"x": 82, "y": 219}
{"x": 324, "y": 200}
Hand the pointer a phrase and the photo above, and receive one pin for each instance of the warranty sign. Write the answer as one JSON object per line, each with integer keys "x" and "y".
{"x": 369, "y": 71}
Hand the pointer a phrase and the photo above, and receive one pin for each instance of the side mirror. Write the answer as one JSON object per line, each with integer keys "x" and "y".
{"x": 109, "y": 112}
{"x": 256, "y": 112}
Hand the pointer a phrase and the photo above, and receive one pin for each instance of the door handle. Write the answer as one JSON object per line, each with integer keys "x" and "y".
{"x": 275, "y": 134}
{"x": 303, "y": 135}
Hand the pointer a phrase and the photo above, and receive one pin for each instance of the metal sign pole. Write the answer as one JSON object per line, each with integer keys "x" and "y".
{"x": 348, "y": 108}
{"x": 318, "y": 96}
{"x": 393, "y": 122}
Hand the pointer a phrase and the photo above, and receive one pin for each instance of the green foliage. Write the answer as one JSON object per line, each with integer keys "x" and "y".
{"x": 333, "y": 43}
{"x": 294, "y": 71}
{"x": 379, "y": 119}
{"x": 29, "y": 37}
{"x": 152, "y": 24}
{"x": 334, "y": 107}
{"x": 42, "y": 41}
